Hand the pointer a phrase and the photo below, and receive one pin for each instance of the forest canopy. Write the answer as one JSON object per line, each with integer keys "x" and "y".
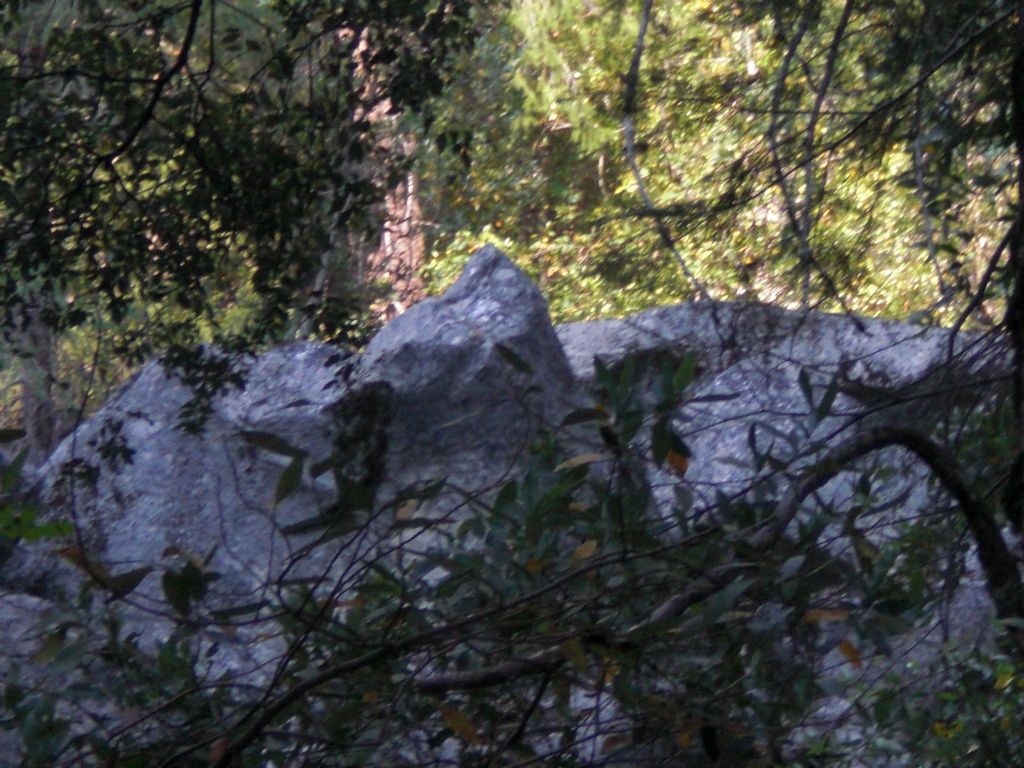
{"x": 788, "y": 148}
{"x": 175, "y": 173}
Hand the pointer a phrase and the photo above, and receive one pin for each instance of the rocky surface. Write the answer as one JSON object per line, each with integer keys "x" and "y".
{"x": 455, "y": 388}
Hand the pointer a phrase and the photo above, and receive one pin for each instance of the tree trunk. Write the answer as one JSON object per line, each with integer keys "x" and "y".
{"x": 33, "y": 343}
{"x": 398, "y": 257}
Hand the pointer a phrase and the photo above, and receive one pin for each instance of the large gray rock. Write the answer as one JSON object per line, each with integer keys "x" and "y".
{"x": 455, "y": 388}
{"x": 870, "y": 356}
{"x": 436, "y": 394}
{"x": 137, "y": 485}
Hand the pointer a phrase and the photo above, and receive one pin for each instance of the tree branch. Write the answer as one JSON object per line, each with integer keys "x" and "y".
{"x": 472, "y": 679}
{"x": 807, "y": 214}
{"x": 979, "y": 294}
{"x": 161, "y": 83}
{"x": 1001, "y": 574}
{"x": 631, "y": 89}
{"x": 1013, "y": 498}
{"x": 800, "y": 222}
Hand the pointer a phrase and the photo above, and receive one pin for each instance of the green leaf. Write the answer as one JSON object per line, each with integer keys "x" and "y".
{"x": 805, "y": 386}
{"x": 353, "y": 495}
{"x": 240, "y": 610}
{"x": 685, "y": 372}
{"x": 7, "y": 195}
{"x": 123, "y": 584}
{"x": 184, "y": 587}
{"x": 506, "y": 497}
{"x": 323, "y": 466}
{"x": 51, "y": 530}
{"x": 513, "y": 359}
{"x": 602, "y": 375}
{"x": 824, "y": 407}
{"x": 684, "y": 501}
{"x": 576, "y": 655}
{"x": 338, "y": 525}
{"x": 10, "y": 435}
{"x": 12, "y": 472}
{"x": 13, "y": 695}
{"x": 661, "y": 439}
{"x": 752, "y": 442}
{"x": 627, "y": 376}
{"x": 270, "y": 442}
{"x": 584, "y": 459}
{"x": 289, "y": 480}
{"x": 583, "y": 415}
{"x": 724, "y": 600}
{"x": 714, "y": 398}
{"x": 1013, "y": 622}
{"x": 791, "y": 567}
{"x": 176, "y": 591}
{"x": 884, "y": 708}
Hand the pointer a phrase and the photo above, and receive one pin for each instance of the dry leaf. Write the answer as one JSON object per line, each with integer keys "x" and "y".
{"x": 849, "y": 650}
{"x": 407, "y": 509}
{"x": 460, "y": 725}
{"x": 584, "y": 550}
{"x": 217, "y": 750}
{"x": 582, "y": 460}
{"x": 685, "y": 737}
{"x": 677, "y": 462}
{"x": 576, "y": 655}
{"x": 819, "y": 615}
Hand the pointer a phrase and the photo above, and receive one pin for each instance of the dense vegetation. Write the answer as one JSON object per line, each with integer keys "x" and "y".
{"x": 175, "y": 173}
{"x": 787, "y": 150}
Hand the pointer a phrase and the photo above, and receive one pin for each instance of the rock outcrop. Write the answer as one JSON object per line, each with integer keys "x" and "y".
{"x": 455, "y": 388}
{"x": 436, "y": 395}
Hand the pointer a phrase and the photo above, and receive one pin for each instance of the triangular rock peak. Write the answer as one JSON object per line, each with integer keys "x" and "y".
{"x": 474, "y": 372}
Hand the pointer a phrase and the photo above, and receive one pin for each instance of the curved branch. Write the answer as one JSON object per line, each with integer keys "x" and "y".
{"x": 260, "y": 717}
{"x": 1001, "y": 574}
{"x": 979, "y": 294}
{"x": 550, "y": 659}
{"x": 161, "y": 83}
{"x": 471, "y": 679}
{"x": 1002, "y": 578}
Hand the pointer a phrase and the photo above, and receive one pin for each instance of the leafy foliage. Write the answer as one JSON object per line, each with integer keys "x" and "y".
{"x": 172, "y": 173}
{"x": 789, "y": 151}
{"x": 565, "y": 619}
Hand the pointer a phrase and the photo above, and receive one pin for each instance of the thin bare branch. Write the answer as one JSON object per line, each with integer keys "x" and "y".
{"x": 162, "y": 81}
{"x": 979, "y": 294}
{"x": 629, "y": 135}
{"x": 808, "y": 212}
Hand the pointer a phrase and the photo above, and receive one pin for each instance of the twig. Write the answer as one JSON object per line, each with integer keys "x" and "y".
{"x": 629, "y": 134}
{"x": 545, "y": 661}
{"x": 809, "y": 139}
{"x": 800, "y": 224}
{"x": 979, "y": 294}
{"x": 922, "y": 196}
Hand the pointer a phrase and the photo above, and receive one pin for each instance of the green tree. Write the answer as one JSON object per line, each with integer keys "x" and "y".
{"x": 785, "y": 149}
{"x": 172, "y": 173}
